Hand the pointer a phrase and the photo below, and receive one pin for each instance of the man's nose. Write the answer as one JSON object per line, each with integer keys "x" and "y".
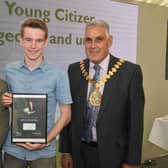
{"x": 33, "y": 44}
{"x": 93, "y": 44}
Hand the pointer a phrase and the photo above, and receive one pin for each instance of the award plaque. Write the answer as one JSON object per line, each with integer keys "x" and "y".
{"x": 29, "y": 118}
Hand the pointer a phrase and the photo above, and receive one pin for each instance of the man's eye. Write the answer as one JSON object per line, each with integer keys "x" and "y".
{"x": 27, "y": 39}
{"x": 99, "y": 39}
{"x": 39, "y": 40}
{"x": 88, "y": 40}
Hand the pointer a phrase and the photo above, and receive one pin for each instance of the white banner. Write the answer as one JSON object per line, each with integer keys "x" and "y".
{"x": 66, "y": 20}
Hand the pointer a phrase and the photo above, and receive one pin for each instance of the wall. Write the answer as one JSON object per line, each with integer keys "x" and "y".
{"x": 151, "y": 55}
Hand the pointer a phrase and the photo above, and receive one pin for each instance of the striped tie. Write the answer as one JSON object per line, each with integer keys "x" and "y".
{"x": 92, "y": 112}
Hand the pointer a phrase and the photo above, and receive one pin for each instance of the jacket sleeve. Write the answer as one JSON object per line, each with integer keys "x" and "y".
{"x": 136, "y": 114}
{"x": 4, "y": 114}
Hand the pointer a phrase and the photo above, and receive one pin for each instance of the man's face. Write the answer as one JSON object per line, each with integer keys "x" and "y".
{"x": 97, "y": 44}
{"x": 33, "y": 42}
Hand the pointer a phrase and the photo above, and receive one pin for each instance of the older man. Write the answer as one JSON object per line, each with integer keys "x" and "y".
{"x": 107, "y": 112}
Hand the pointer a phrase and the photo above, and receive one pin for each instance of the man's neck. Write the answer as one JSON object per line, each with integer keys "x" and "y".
{"x": 33, "y": 64}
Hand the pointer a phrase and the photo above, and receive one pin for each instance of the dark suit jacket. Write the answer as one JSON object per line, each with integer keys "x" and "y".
{"x": 4, "y": 115}
{"x": 120, "y": 118}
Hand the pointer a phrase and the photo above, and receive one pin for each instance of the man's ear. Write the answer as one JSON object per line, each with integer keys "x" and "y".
{"x": 46, "y": 43}
{"x": 110, "y": 41}
{"x": 21, "y": 41}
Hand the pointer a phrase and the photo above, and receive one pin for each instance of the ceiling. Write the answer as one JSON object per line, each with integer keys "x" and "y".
{"x": 157, "y": 2}
{"x": 154, "y": 2}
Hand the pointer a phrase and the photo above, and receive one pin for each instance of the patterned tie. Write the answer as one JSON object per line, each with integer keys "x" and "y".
{"x": 92, "y": 112}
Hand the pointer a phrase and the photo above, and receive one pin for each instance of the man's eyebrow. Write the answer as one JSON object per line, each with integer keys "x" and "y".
{"x": 97, "y": 37}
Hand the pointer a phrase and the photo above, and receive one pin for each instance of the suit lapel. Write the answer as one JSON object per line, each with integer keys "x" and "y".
{"x": 84, "y": 86}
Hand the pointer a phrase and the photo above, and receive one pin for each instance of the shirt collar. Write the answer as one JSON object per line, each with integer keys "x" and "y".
{"x": 42, "y": 66}
{"x": 103, "y": 64}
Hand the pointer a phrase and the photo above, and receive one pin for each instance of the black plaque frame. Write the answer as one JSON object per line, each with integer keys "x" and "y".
{"x": 29, "y": 118}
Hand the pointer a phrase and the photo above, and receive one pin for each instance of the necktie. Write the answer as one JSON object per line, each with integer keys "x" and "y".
{"x": 92, "y": 112}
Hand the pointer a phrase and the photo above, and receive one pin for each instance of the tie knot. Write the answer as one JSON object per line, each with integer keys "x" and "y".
{"x": 97, "y": 67}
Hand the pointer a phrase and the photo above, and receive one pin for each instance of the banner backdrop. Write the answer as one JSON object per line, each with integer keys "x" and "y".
{"x": 66, "y": 20}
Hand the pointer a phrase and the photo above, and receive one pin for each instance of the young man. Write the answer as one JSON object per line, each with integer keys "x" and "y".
{"x": 33, "y": 74}
{"x": 4, "y": 119}
{"x": 107, "y": 112}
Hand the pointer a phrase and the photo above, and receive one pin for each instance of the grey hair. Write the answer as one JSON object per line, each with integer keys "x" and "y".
{"x": 99, "y": 23}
